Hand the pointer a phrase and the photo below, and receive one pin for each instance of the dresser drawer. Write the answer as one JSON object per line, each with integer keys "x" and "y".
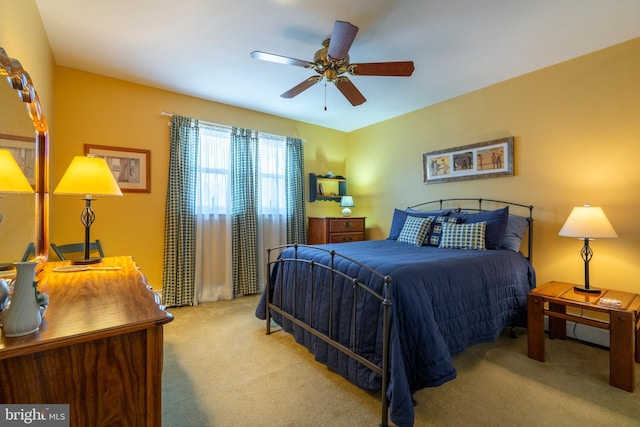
{"x": 339, "y": 225}
{"x": 324, "y": 230}
{"x": 345, "y": 237}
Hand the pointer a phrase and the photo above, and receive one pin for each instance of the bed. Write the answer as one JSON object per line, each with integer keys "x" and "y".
{"x": 389, "y": 314}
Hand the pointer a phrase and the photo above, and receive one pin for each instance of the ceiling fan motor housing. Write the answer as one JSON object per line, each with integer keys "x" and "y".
{"x": 326, "y": 66}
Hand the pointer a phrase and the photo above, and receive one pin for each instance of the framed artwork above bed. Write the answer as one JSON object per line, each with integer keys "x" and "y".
{"x": 488, "y": 159}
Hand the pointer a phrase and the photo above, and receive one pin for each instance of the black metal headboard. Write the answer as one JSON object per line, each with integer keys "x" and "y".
{"x": 475, "y": 205}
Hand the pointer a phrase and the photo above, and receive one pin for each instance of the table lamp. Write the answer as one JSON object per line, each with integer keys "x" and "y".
{"x": 88, "y": 176}
{"x": 346, "y": 202}
{"x": 586, "y": 223}
{"x": 12, "y": 180}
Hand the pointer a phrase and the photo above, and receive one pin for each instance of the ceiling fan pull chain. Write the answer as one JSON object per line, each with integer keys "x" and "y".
{"x": 325, "y": 95}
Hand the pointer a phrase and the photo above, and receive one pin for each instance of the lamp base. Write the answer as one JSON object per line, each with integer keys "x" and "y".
{"x": 346, "y": 212}
{"x": 586, "y": 290}
{"x": 86, "y": 261}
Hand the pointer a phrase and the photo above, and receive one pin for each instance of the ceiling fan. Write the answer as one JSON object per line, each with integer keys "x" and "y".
{"x": 331, "y": 62}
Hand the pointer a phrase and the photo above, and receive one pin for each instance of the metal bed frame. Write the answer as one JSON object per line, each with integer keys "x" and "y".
{"x": 358, "y": 286}
{"x": 529, "y": 218}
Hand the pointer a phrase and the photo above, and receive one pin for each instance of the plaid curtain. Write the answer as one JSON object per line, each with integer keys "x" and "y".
{"x": 244, "y": 213}
{"x": 180, "y": 222}
{"x": 294, "y": 188}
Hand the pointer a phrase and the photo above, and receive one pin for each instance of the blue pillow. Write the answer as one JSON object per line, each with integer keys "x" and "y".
{"x": 514, "y": 233}
{"x": 435, "y": 232}
{"x": 441, "y": 212}
{"x": 496, "y": 224}
{"x": 400, "y": 216}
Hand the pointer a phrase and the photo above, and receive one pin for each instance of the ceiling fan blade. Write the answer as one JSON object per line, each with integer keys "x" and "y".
{"x": 256, "y": 54}
{"x": 341, "y": 38}
{"x": 296, "y": 90}
{"x": 400, "y": 69}
{"x": 349, "y": 91}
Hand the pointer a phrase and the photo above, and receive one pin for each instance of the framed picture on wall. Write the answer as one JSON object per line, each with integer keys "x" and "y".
{"x": 488, "y": 159}
{"x": 23, "y": 149}
{"x": 131, "y": 167}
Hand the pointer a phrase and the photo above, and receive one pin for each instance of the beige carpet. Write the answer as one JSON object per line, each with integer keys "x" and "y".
{"x": 220, "y": 369}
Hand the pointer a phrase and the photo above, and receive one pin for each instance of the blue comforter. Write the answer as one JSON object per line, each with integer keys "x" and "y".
{"x": 444, "y": 300}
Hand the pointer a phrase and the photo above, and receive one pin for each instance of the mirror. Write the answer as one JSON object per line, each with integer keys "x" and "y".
{"x": 25, "y": 216}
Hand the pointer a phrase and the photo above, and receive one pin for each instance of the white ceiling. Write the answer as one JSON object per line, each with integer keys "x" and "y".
{"x": 201, "y": 47}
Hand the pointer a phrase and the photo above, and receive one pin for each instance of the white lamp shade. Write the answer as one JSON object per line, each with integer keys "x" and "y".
{"x": 346, "y": 202}
{"x": 89, "y": 176}
{"x": 588, "y": 222}
{"x": 12, "y": 180}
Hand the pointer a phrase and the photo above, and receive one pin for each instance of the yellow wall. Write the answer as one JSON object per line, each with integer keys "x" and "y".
{"x": 23, "y": 38}
{"x": 93, "y": 109}
{"x": 577, "y": 140}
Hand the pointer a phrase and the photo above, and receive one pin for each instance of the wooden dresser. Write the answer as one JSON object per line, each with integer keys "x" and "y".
{"x": 335, "y": 230}
{"x": 99, "y": 348}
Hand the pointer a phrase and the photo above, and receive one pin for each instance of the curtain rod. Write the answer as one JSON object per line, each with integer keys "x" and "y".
{"x": 202, "y": 121}
{"x": 219, "y": 126}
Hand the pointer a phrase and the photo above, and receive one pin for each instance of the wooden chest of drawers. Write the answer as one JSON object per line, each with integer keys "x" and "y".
{"x": 99, "y": 348}
{"x": 335, "y": 230}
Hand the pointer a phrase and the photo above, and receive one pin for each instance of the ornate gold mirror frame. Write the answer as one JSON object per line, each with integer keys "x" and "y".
{"x": 20, "y": 81}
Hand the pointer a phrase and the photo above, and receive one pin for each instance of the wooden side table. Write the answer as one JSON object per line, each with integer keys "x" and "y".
{"x": 553, "y": 298}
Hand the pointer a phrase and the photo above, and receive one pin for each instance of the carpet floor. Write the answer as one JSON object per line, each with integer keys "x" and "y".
{"x": 220, "y": 369}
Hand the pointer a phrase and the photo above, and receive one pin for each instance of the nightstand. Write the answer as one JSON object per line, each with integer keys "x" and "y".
{"x": 335, "y": 230}
{"x": 553, "y": 298}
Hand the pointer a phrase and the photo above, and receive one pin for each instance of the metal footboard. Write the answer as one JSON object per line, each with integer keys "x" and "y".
{"x": 357, "y": 286}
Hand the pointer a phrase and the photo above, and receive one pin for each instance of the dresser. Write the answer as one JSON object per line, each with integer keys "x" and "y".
{"x": 335, "y": 230}
{"x": 99, "y": 348}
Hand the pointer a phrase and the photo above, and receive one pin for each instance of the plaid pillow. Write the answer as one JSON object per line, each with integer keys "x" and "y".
{"x": 433, "y": 236}
{"x": 414, "y": 230}
{"x": 463, "y": 236}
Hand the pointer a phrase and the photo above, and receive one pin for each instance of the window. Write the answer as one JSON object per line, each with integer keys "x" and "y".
{"x": 272, "y": 169}
{"x": 213, "y": 191}
{"x": 214, "y": 159}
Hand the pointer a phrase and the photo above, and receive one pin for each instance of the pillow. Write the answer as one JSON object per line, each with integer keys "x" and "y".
{"x": 514, "y": 232}
{"x": 463, "y": 236}
{"x": 397, "y": 222}
{"x": 435, "y": 231}
{"x": 416, "y": 212}
{"x": 400, "y": 216}
{"x": 414, "y": 230}
{"x": 496, "y": 224}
